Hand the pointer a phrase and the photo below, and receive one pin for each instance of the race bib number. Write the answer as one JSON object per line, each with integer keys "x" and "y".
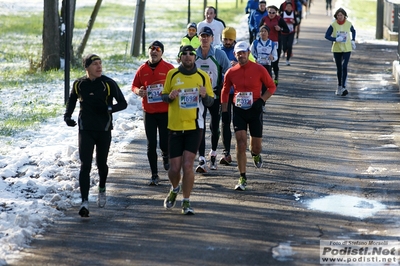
{"x": 244, "y": 100}
{"x": 154, "y": 93}
{"x": 342, "y": 34}
{"x": 189, "y": 98}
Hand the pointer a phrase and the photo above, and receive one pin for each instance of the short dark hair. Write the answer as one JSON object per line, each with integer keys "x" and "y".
{"x": 340, "y": 10}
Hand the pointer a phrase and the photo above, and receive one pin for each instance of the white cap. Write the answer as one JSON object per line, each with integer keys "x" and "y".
{"x": 241, "y": 46}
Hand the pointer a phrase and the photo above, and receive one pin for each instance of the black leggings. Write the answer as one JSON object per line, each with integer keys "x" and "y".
{"x": 226, "y": 129}
{"x": 287, "y": 43}
{"x": 275, "y": 65}
{"x": 328, "y": 5}
{"x": 152, "y": 122}
{"x": 342, "y": 60}
{"x": 87, "y": 140}
{"x": 215, "y": 114}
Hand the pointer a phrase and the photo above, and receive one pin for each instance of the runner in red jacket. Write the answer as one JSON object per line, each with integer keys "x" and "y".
{"x": 246, "y": 78}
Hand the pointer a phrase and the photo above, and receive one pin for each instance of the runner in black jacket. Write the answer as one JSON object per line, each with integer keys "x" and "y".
{"x": 95, "y": 93}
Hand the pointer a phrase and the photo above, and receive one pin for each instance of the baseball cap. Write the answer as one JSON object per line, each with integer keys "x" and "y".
{"x": 241, "y": 46}
{"x": 157, "y": 43}
{"x": 88, "y": 60}
{"x": 192, "y": 25}
{"x": 186, "y": 48}
{"x": 206, "y": 30}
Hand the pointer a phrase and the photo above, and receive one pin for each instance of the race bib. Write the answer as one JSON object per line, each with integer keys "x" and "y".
{"x": 342, "y": 34}
{"x": 244, "y": 100}
{"x": 154, "y": 93}
{"x": 189, "y": 98}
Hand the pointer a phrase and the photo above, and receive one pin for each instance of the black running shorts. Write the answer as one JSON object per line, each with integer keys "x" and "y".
{"x": 251, "y": 118}
{"x": 188, "y": 140}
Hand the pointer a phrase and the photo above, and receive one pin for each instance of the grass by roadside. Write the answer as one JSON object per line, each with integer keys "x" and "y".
{"x": 21, "y": 48}
{"x": 361, "y": 12}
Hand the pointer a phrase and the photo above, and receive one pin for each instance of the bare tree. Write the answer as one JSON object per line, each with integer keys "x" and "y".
{"x": 90, "y": 24}
{"x": 51, "y": 36}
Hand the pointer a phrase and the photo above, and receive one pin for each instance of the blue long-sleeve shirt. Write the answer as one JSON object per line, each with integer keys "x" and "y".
{"x": 251, "y": 6}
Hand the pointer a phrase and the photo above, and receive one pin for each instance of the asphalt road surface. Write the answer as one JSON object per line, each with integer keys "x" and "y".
{"x": 330, "y": 172}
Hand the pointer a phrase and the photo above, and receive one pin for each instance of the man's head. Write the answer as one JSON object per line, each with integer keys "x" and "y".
{"x": 242, "y": 51}
{"x": 206, "y": 37}
{"x": 92, "y": 65}
{"x": 210, "y": 13}
{"x": 156, "y": 50}
{"x": 262, "y": 5}
{"x": 289, "y": 7}
{"x": 187, "y": 56}
{"x": 228, "y": 37}
{"x": 192, "y": 29}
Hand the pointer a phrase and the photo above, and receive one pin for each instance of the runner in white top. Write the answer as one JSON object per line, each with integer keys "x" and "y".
{"x": 216, "y": 26}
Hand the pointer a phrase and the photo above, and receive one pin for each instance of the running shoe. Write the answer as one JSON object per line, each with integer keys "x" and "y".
{"x": 166, "y": 162}
{"x": 102, "y": 198}
{"x": 213, "y": 160}
{"x": 170, "y": 200}
{"x": 276, "y": 82}
{"x": 339, "y": 90}
{"x": 154, "y": 181}
{"x": 287, "y": 63}
{"x": 186, "y": 209}
{"x": 344, "y": 92}
{"x": 241, "y": 185}
{"x": 84, "y": 210}
{"x": 226, "y": 160}
{"x": 257, "y": 161}
{"x": 202, "y": 167}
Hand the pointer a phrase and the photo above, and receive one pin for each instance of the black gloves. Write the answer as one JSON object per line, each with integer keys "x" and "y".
{"x": 225, "y": 117}
{"x": 258, "y": 104}
{"x": 70, "y": 122}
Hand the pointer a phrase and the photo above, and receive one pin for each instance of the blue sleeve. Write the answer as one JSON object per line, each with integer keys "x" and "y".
{"x": 223, "y": 60}
{"x": 328, "y": 34}
{"x": 251, "y": 21}
{"x": 353, "y": 33}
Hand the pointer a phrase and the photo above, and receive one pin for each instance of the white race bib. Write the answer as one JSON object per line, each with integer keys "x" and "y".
{"x": 244, "y": 100}
{"x": 154, "y": 93}
{"x": 189, "y": 98}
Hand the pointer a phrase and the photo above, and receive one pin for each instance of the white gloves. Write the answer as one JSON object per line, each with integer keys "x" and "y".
{"x": 353, "y": 45}
{"x": 339, "y": 39}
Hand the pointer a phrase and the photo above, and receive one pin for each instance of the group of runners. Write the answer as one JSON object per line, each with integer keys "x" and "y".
{"x": 232, "y": 80}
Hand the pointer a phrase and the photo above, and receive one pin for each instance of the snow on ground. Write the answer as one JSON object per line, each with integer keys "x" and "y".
{"x": 39, "y": 167}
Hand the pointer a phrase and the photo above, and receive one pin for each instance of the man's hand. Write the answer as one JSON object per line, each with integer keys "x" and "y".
{"x": 70, "y": 122}
{"x": 173, "y": 94}
{"x": 258, "y": 104}
{"x": 203, "y": 91}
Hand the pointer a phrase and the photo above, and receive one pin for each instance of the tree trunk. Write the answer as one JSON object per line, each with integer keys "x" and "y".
{"x": 92, "y": 19}
{"x": 51, "y": 36}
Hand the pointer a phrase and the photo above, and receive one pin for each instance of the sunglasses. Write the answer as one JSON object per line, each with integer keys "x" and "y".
{"x": 157, "y": 48}
{"x": 188, "y": 53}
{"x": 191, "y": 30}
{"x": 272, "y": 12}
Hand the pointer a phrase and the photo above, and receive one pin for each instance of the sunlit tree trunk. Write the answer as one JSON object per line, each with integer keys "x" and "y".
{"x": 51, "y": 36}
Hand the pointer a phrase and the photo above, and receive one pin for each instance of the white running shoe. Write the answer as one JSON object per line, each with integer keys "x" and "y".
{"x": 339, "y": 90}
{"x": 202, "y": 167}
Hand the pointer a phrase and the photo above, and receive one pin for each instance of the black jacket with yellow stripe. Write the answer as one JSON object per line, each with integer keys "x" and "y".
{"x": 96, "y": 102}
